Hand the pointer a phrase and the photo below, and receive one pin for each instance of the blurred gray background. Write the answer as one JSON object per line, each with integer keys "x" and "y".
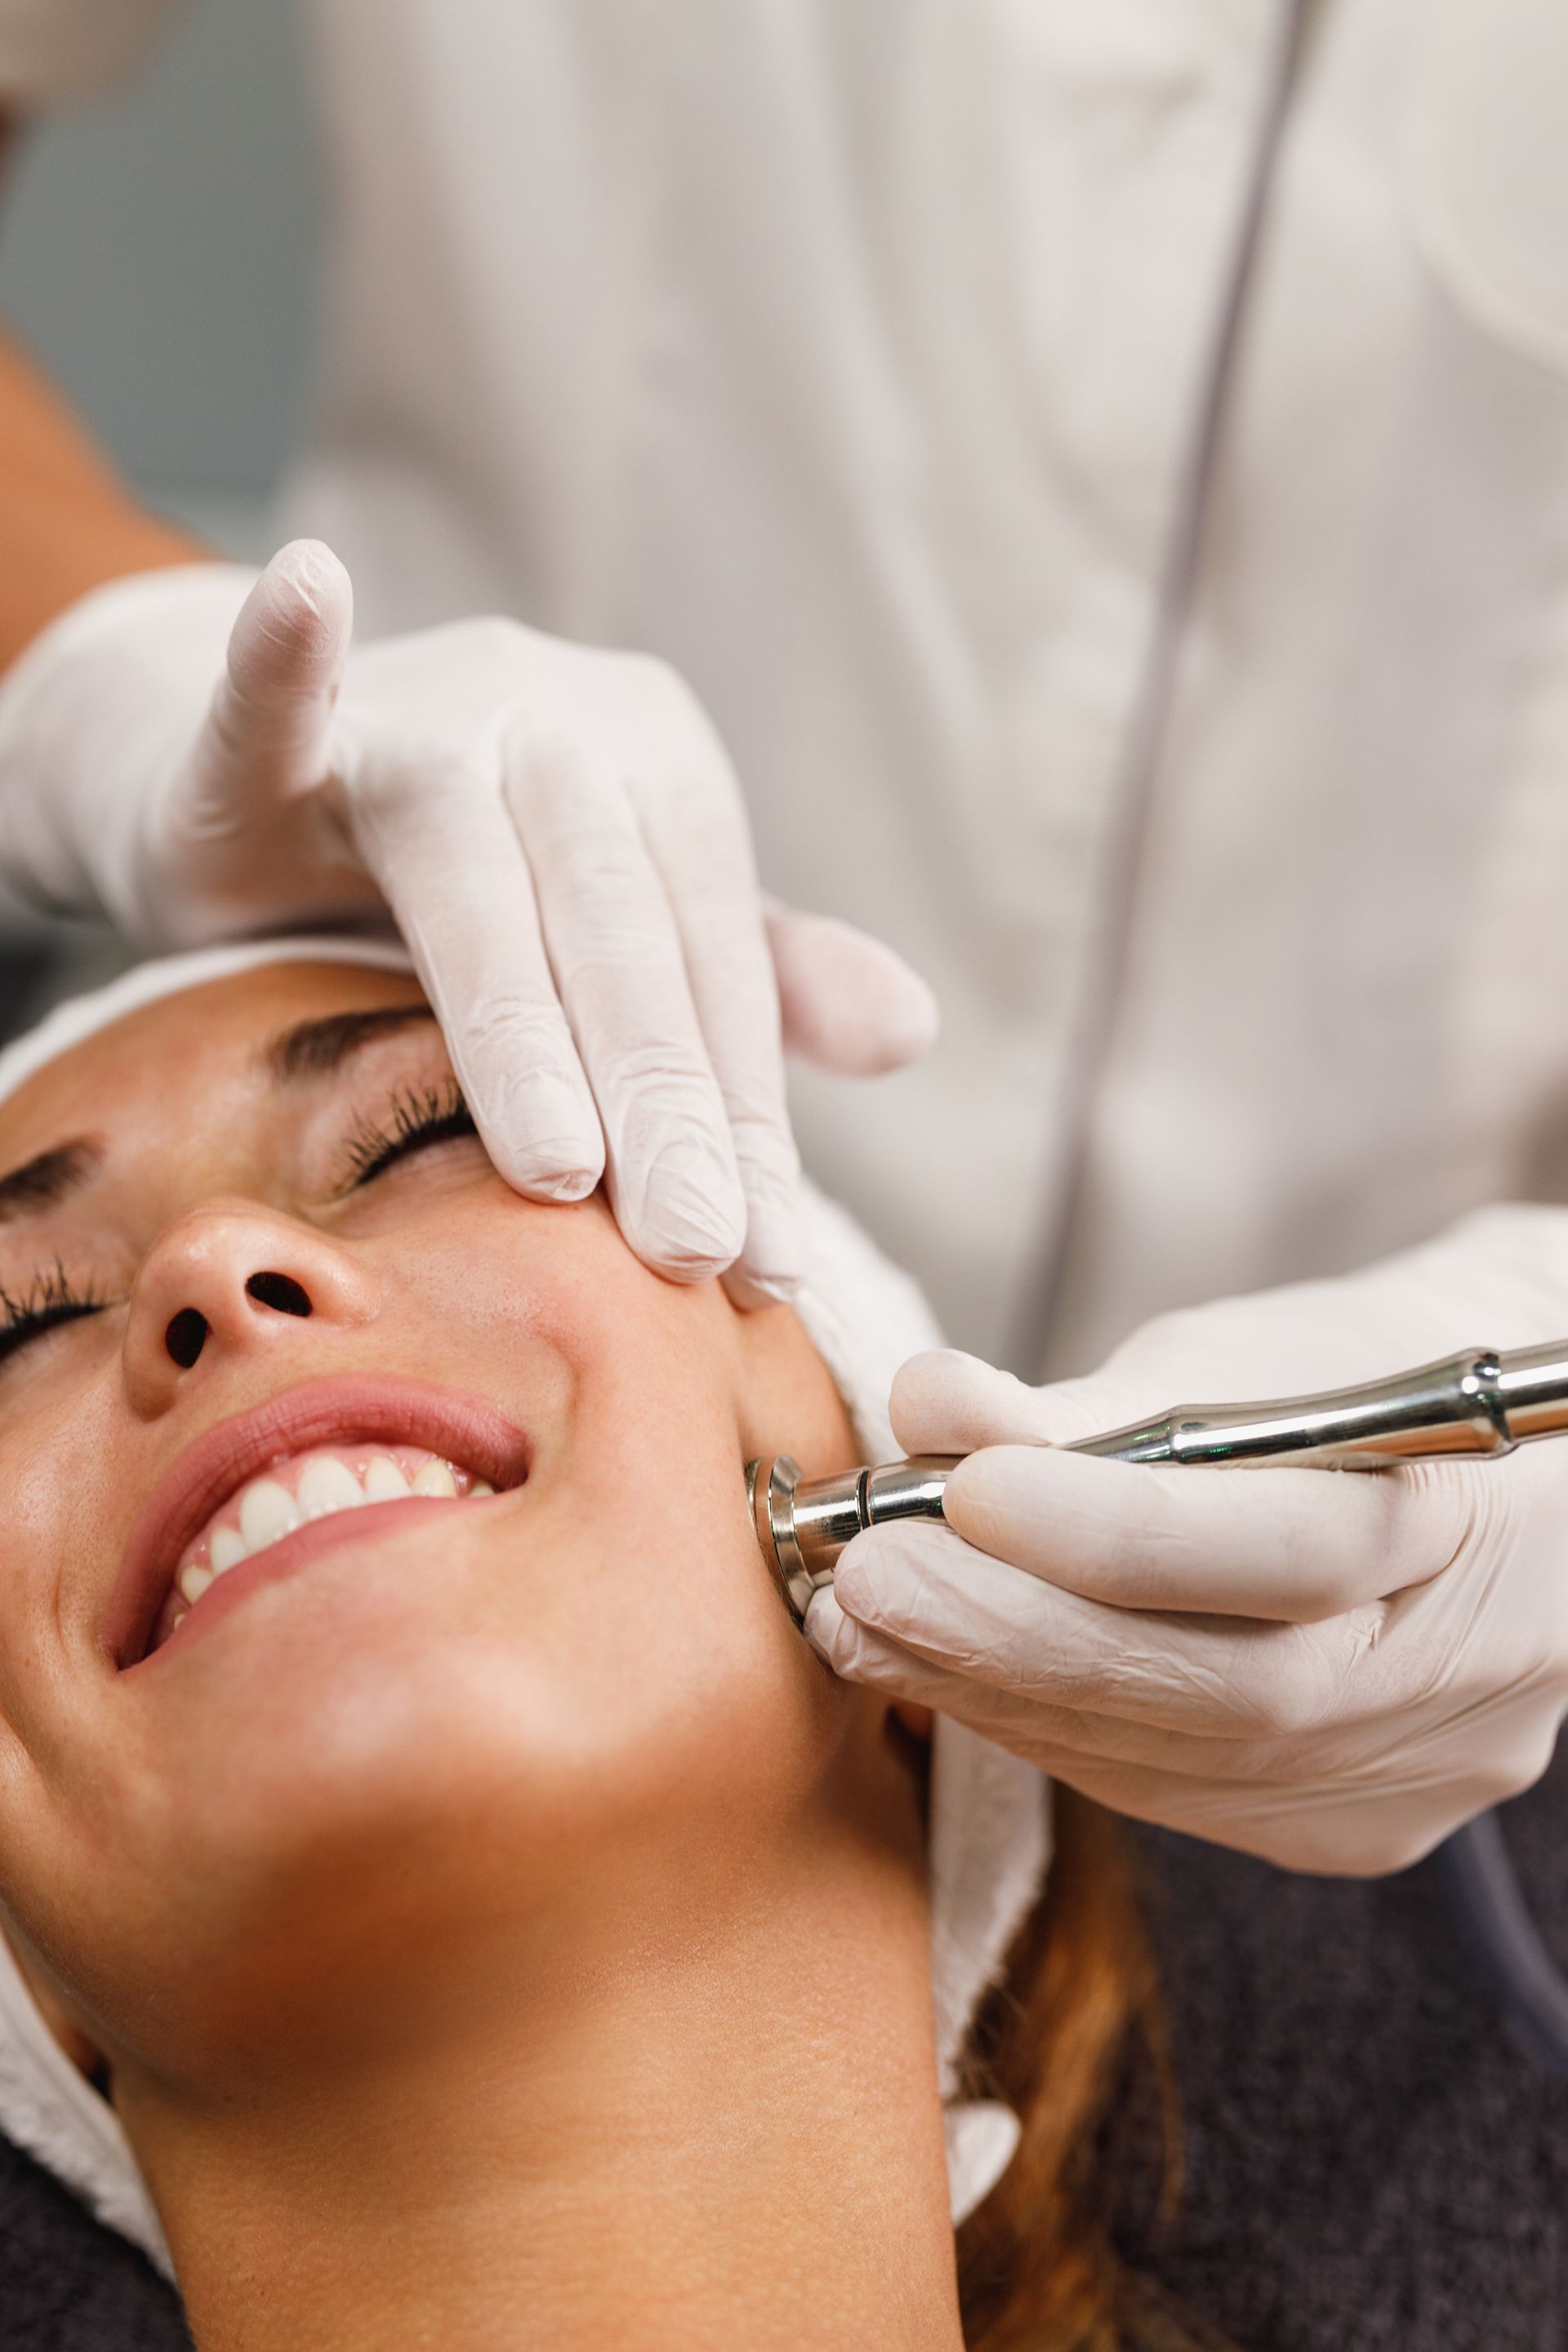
{"x": 157, "y": 253}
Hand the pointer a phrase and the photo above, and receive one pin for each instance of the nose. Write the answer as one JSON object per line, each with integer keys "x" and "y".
{"x": 230, "y": 1280}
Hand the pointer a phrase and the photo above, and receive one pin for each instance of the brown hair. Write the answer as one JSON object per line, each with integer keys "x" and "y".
{"x": 1078, "y": 2021}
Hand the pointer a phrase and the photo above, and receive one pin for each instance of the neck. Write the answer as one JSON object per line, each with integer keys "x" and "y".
{"x": 737, "y": 2142}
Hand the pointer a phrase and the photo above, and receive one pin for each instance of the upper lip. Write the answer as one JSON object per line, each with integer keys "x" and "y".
{"x": 326, "y": 1411}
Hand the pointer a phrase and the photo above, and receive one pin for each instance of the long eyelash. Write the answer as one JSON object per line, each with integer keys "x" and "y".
{"x": 416, "y": 1116}
{"x": 50, "y": 1299}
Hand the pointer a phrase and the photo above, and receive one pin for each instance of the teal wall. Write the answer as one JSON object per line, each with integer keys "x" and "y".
{"x": 156, "y": 250}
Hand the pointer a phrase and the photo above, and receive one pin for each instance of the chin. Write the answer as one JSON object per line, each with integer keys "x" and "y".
{"x": 363, "y": 1776}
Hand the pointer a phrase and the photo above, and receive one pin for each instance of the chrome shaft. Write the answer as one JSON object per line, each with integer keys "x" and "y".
{"x": 1472, "y": 1405}
{"x": 1475, "y": 1402}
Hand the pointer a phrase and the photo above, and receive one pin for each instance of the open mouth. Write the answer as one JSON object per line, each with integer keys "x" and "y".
{"x": 255, "y": 1498}
{"x": 295, "y": 1492}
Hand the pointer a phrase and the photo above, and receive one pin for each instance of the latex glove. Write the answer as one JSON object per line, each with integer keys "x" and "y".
{"x": 556, "y": 831}
{"x": 1331, "y": 1670}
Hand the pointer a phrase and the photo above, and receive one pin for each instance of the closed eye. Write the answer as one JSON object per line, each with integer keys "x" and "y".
{"x": 417, "y": 1119}
{"x": 49, "y": 1300}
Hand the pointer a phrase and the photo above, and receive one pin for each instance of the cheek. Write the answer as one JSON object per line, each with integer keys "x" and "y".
{"x": 654, "y": 1661}
{"x": 646, "y": 1593}
{"x": 63, "y": 1520}
{"x": 67, "y": 1878}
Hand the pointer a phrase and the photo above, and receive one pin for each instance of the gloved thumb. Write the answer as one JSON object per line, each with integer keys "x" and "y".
{"x": 946, "y": 1402}
{"x": 267, "y": 735}
{"x": 847, "y": 1003}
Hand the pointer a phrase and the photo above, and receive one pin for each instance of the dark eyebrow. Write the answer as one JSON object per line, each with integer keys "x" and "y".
{"x": 39, "y": 1183}
{"x": 315, "y": 1049}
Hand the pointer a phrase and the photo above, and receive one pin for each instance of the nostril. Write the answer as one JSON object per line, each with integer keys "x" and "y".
{"x": 186, "y": 1337}
{"x": 280, "y": 1292}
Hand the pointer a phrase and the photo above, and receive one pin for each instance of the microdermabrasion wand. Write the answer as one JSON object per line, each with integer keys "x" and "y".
{"x": 1477, "y": 1403}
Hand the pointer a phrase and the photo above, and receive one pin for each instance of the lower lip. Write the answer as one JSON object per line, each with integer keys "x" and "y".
{"x": 287, "y": 1555}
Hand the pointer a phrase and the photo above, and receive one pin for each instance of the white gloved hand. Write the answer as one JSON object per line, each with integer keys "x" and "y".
{"x": 1331, "y": 1670}
{"x": 556, "y": 831}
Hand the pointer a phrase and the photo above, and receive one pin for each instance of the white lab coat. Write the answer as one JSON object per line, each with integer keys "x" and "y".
{"x": 848, "y": 353}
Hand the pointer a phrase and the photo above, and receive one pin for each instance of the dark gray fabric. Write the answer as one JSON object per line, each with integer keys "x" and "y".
{"x": 1372, "y": 2164}
{"x": 67, "y": 2285}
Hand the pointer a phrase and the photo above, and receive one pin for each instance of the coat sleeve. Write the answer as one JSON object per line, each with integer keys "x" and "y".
{"x": 52, "y": 51}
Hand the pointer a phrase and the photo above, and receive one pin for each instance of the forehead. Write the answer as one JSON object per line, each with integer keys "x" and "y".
{"x": 181, "y": 1048}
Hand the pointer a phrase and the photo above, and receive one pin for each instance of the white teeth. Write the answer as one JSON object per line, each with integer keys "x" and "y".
{"x": 384, "y": 1482}
{"x": 228, "y": 1549}
{"x": 325, "y": 1484}
{"x": 267, "y": 1513}
{"x": 328, "y": 1485}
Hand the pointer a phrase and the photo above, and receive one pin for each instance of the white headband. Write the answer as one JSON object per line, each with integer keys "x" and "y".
{"x": 990, "y": 1819}
{"x": 83, "y": 1016}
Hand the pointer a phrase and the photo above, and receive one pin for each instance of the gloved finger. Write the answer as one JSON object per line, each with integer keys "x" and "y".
{"x": 267, "y": 737}
{"x": 1297, "y": 1545}
{"x": 847, "y": 1003}
{"x": 1236, "y": 1793}
{"x": 1308, "y": 1826}
{"x": 944, "y": 1402}
{"x": 1077, "y": 1745}
{"x": 1070, "y": 1737}
{"x": 1339, "y": 1827}
{"x": 671, "y": 1167}
{"x": 1163, "y": 1789}
{"x": 697, "y": 837}
{"x": 862, "y": 1654}
{"x": 444, "y": 851}
{"x": 1231, "y": 1679}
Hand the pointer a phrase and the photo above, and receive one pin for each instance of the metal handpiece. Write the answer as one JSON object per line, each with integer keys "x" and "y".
{"x": 1475, "y": 1404}
{"x": 802, "y": 1525}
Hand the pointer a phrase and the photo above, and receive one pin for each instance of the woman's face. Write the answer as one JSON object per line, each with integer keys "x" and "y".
{"x": 257, "y": 1262}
